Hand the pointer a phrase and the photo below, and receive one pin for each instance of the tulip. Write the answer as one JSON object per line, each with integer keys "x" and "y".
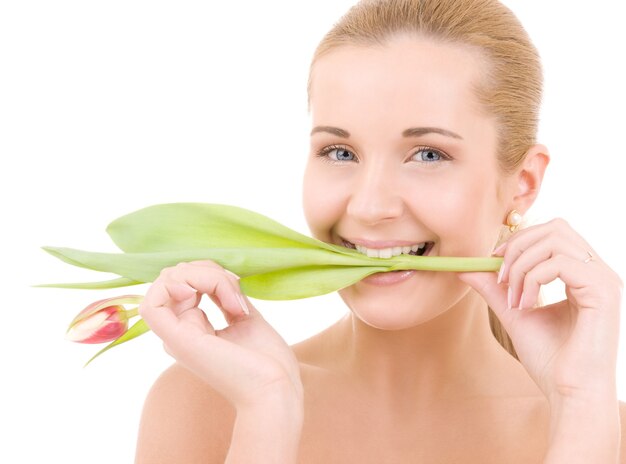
{"x": 103, "y": 320}
{"x": 273, "y": 261}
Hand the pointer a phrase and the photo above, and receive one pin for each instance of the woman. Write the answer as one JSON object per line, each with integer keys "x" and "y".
{"x": 424, "y": 119}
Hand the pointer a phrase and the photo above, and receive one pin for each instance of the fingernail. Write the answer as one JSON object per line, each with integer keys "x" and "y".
{"x": 509, "y": 295}
{"x": 232, "y": 274}
{"x": 501, "y": 273}
{"x": 499, "y": 249}
{"x": 243, "y": 304}
{"x": 521, "y": 298}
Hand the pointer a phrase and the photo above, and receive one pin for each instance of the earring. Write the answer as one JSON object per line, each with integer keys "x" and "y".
{"x": 513, "y": 220}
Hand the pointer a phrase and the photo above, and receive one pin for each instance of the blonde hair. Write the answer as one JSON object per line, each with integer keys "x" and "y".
{"x": 512, "y": 83}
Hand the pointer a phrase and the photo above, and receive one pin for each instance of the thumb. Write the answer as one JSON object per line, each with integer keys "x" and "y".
{"x": 496, "y": 295}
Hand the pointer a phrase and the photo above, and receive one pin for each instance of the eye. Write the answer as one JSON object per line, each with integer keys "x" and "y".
{"x": 335, "y": 154}
{"x": 430, "y": 155}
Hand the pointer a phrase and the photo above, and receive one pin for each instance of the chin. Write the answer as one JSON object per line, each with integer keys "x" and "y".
{"x": 393, "y": 308}
{"x": 391, "y": 317}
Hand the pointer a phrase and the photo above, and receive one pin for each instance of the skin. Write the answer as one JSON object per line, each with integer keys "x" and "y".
{"x": 412, "y": 371}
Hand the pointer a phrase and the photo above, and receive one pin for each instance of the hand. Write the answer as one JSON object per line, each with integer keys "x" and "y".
{"x": 569, "y": 348}
{"x": 243, "y": 362}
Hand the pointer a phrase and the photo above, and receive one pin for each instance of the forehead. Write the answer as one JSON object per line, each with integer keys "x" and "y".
{"x": 407, "y": 77}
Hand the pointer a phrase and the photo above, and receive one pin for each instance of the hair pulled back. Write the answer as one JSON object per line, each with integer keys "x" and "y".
{"x": 511, "y": 86}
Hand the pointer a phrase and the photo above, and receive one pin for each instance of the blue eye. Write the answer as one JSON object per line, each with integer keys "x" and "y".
{"x": 340, "y": 154}
{"x": 430, "y": 154}
{"x": 343, "y": 155}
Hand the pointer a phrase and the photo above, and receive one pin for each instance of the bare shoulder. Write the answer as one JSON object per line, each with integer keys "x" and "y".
{"x": 183, "y": 420}
{"x": 622, "y": 415}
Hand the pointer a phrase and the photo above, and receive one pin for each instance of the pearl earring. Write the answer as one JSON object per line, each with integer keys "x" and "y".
{"x": 513, "y": 220}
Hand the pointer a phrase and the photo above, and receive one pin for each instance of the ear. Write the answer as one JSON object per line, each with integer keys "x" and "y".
{"x": 529, "y": 177}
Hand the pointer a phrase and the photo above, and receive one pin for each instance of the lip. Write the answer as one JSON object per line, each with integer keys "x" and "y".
{"x": 383, "y": 279}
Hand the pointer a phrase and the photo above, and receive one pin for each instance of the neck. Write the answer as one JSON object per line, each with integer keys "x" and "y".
{"x": 452, "y": 356}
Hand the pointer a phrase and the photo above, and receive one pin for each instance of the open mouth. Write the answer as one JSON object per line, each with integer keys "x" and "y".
{"x": 418, "y": 249}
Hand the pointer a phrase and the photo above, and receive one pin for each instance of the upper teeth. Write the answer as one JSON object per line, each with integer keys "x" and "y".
{"x": 389, "y": 252}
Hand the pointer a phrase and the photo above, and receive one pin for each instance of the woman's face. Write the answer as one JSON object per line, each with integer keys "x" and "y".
{"x": 401, "y": 154}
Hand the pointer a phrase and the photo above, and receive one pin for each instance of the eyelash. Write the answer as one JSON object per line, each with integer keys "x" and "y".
{"x": 326, "y": 150}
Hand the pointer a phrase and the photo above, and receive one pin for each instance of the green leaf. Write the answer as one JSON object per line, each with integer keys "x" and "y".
{"x": 184, "y": 226}
{"x": 114, "y": 283}
{"x": 303, "y": 282}
{"x": 139, "y": 328}
{"x": 270, "y": 264}
{"x": 145, "y": 267}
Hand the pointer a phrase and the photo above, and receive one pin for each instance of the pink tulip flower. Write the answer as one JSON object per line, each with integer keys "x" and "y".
{"x": 103, "y": 320}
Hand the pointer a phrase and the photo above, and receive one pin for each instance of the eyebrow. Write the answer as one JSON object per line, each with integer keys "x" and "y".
{"x": 417, "y": 131}
{"x": 331, "y": 130}
{"x": 410, "y": 132}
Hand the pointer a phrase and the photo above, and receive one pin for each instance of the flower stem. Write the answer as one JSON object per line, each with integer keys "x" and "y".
{"x": 132, "y": 312}
{"x": 446, "y": 263}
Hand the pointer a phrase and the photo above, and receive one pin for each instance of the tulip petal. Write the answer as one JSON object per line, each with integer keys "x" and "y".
{"x": 139, "y": 328}
{"x": 101, "y": 304}
{"x": 103, "y": 326}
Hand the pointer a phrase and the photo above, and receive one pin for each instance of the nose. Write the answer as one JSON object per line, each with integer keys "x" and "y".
{"x": 374, "y": 197}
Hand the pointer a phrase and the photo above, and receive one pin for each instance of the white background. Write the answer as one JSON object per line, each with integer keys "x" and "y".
{"x": 108, "y": 107}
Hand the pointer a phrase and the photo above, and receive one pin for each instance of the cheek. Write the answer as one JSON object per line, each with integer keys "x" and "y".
{"x": 323, "y": 201}
{"x": 460, "y": 210}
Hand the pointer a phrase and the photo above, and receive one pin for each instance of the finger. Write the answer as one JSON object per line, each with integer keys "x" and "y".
{"x": 177, "y": 295}
{"x": 527, "y": 234}
{"x": 206, "y": 263}
{"x": 230, "y": 319}
{"x": 557, "y": 232}
{"x": 211, "y": 281}
{"x": 160, "y": 307}
{"x": 214, "y": 265}
{"x": 485, "y": 283}
{"x": 523, "y": 238}
{"x": 182, "y": 295}
{"x": 245, "y": 305}
{"x": 161, "y": 320}
{"x": 515, "y": 269}
{"x": 154, "y": 307}
{"x": 573, "y": 272}
{"x": 198, "y": 318}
